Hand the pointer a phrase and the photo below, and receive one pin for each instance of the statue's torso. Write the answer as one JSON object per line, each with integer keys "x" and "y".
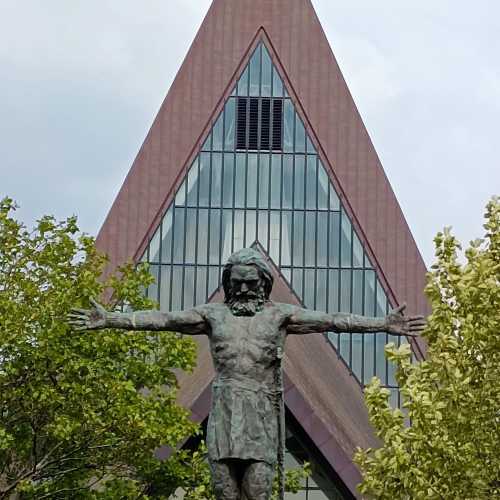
{"x": 246, "y": 347}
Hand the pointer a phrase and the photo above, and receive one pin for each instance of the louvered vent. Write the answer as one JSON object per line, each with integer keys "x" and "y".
{"x": 277, "y": 127}
{"x": 241, "y": 128}
{"x": 259, "y": 124}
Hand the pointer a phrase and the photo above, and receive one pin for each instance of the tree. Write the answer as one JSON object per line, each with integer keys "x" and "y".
{"x": 81, "y": 414}
{"x": 73, "y": 422}
{"x": 446, "y": 442}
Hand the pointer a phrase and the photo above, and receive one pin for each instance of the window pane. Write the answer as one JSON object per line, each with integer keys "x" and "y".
{"x": 357, "y": 354}
{"x": 166, "y": 244}
{"x": 165, "y": 288}
{"x": 370, "y": 293}
{"x": 179, "y": 235}
{"x": 207, "y": 145}
{"x": 239, "y": 194}
{"x": 180, "y": 197}
{"x": 204, "y": 178}
{"x": 192, "y": 184}
{"x": 334, "y": 199}
{"x": 334, "y": 236}
{"x": 309, "y": 288}
{"x": 367, "y": 261}
{"x": 323, "y": 186}
{"x": 380, "y": 360}
{"x": 345, "y": 291}
{"x": 288, "y": 126}
{"x": 357, "y": 292}
{"x": 250, "y": 228}
{"x": 191, "y": 234}
{"x": 217, "y": 133}
{"x": 201, "y": 284}
{"x": 255, "y": 72}
{"x": 286, "y": 231}
{"x": 238, "y": 230}
{"x": 300, "y": 135}
{"x": 298, "y": 239}
{"x": 277, "y": 84}
{"x": 188, "y": 287}
{"x": 311, "y": 184}
{"x": 333, "y": 291}
{"x": 266, "y": 73}
{"x": 202, "y": 235}
{"x": 275, "y": 181}
{"x": 287, "y": 181}
{"x": 154, "y": 247}
{"x": 274, "y": 243}
{"x": 299, "y": 182}
{"x": 381, "y": 300}
{"x": 227, "y": 234}
{"x": 287, "y": 273}
{"x": 243, "y": 83}
{"x": 264, "y": 181}
{"x": 321, "y": 291}
{"x": 357, "y": 251}
{"x": 252, "y": 181}
{"x": 213, "y": 280}
{"x": 228, "y": 180}
{"x": 215, "y": 236}
{"x": 345, "y": 241}
{"x": 229, "y": 125}
{"x": 298, "y": 280}
{"x": 310, "y": 146}
{"x": 368, "y": 358}
{"x": 263, "y": 228}
{"x": 176, "y": 287}
{"x": 322, "y": 238}
{"x": 310, "y": 239}
{"x": 345, "y": 346}
{"x": 154, "y": 270}
{"x": 216, "y": 179}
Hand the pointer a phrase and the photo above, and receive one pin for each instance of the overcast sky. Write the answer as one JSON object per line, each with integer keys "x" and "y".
{"x": 82, "y": 80}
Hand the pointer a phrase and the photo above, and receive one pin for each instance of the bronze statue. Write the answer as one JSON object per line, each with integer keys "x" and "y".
{"x": 247, "y": 337}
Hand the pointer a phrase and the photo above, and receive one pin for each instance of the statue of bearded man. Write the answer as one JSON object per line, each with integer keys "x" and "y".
{"x": 247, "y": 337}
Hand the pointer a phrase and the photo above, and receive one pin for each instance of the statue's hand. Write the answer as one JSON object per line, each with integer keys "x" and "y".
{"x": 399, "y": 324}
{"x": 88, "y": 319}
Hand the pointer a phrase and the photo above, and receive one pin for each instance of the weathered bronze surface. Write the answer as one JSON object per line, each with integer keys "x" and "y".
{"x": 247, "y": 339}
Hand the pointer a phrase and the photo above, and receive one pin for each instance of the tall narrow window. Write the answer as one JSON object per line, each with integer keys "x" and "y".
{"x": 259, "y": 123}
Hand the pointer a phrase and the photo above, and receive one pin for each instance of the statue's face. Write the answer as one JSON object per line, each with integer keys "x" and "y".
{"x": 246, "y": 282}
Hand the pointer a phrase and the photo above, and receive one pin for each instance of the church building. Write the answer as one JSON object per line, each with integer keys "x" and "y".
{"x": 259, "y": 143}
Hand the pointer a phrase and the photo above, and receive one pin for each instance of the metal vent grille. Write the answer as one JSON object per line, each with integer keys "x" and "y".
{"x": 259, "y": 124}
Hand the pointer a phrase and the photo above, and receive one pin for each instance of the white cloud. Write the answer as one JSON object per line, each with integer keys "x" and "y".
{"x": 82, "y": 81}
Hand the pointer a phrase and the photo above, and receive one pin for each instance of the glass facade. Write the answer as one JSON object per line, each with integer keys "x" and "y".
{"x": 281, "y": 198}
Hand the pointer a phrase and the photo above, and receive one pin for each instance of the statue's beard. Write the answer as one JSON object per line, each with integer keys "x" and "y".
{"x": 248, "y": 304}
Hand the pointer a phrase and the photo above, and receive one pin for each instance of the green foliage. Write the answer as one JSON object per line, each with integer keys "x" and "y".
{"x": 81, "y": 414}
{"x": 451, "y": 447}
{"x": 78, "y": 409}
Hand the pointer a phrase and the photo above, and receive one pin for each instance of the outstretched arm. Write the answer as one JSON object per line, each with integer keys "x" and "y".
{"x": 304, "y": 321}
{"x": 190, "y": 322}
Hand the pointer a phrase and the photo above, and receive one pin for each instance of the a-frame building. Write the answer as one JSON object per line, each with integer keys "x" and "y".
{"x": 259, "y": 142}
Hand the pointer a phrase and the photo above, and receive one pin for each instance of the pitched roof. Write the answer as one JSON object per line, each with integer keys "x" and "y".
{"x": 300, "y": 48}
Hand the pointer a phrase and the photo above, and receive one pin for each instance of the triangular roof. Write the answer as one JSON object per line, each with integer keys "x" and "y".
{"x": 219, "y": 51}
{"x": 323, "y": 395}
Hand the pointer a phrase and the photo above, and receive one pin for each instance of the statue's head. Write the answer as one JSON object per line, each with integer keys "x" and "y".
{"x": 247, "y": 282}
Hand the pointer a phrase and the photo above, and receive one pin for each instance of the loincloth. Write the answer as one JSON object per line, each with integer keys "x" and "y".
{"x": 243, "y": 422}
